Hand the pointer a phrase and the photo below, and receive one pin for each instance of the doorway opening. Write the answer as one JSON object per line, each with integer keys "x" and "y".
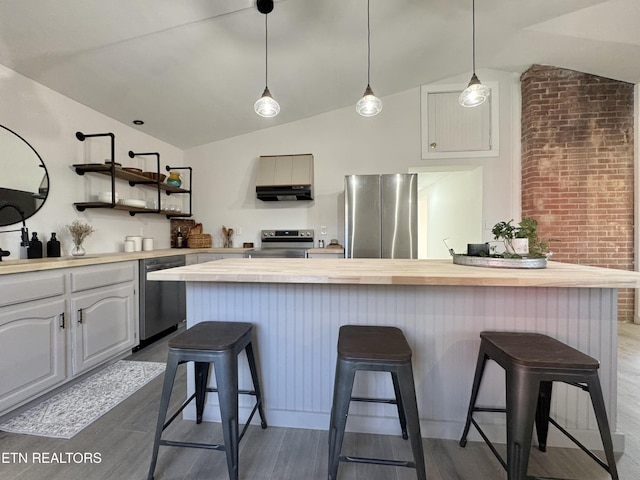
{"x": 449, "y": 209}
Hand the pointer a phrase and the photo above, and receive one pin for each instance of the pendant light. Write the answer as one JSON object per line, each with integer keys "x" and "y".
{"x": 476, "y": 93}
{"x": 266, "y": 106}
{"x": 369, "y": 105}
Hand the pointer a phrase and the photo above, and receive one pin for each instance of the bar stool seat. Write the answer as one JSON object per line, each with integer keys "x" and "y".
{"x": 219, "y": 343}
{"x": 532, "y": 362}
{"x": 372, "y": 348}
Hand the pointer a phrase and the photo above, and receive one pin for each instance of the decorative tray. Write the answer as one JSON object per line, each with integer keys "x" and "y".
{"x": 497, "y": 262}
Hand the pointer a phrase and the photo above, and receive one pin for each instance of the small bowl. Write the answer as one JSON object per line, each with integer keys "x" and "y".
{"x": 154, "y": 176}
{"x": 132, "y": 170}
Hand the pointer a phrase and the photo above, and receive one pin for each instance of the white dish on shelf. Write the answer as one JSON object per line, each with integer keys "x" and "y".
{"x": 105, "y": 197}
{"x": 131, "y": 202}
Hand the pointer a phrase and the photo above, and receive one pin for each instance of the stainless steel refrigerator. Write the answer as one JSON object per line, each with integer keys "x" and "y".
{"x": 381, "y": 216}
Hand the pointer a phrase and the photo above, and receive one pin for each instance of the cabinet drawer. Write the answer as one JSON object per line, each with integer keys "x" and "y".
{"x": 30, "y": 286}
{"x": 86, "y": 278}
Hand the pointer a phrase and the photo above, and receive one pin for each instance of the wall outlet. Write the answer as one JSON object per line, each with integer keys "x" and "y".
{"x": 323, "y": 230}
{"x": 238, "y": 231}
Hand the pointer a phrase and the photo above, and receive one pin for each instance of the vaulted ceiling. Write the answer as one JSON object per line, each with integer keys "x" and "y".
{"x": 192, "y": 69}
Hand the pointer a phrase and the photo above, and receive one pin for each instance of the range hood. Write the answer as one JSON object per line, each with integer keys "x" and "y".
{"x": 285, "y": 177}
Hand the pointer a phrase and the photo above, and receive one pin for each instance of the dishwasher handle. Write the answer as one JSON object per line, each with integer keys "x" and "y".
{"x": 164, "y": 266}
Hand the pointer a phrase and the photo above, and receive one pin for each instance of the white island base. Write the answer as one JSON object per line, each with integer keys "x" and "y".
{"x": 297, "y": 328}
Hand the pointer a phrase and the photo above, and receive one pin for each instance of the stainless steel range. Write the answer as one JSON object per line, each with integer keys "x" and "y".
{"x": 283, "y": 244}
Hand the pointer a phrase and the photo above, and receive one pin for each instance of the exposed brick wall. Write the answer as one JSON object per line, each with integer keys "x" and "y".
{"x": 577, "y": 168}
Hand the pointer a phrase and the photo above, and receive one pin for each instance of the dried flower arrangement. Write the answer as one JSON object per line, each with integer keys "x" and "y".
{"x": 79, "y": 231}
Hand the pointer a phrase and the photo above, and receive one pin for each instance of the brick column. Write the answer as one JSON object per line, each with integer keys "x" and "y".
{"x": 577, "y": 168}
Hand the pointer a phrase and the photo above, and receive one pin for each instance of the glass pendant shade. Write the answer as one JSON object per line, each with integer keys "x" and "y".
{"x": 369, "y": 105}
{"x": 475, "y": 94}
{"x": 266, "y": 106}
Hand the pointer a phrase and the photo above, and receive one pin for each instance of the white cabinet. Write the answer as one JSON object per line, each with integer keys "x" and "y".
{"x": 57, "y": 324}
{"x": 102, "y": 325}
{"x": 32, "y": 350}
{"x": 210, "y": 257}
{"x": 452, "y": 131}
{"x": 103, "y": 320}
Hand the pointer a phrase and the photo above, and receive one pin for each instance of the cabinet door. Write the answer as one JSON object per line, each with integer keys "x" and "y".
{"x": 103, "y": 325}
{"x": 32, "y": 351}
{"x": 452, "y": 131}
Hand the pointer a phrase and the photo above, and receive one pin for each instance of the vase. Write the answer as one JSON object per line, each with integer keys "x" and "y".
{"x": 517, "y": 246}
{"x": 78, "y": 250}
{"x": 174, "y": 179}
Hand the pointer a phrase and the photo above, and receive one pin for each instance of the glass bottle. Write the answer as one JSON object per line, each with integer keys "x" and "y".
{"x": 53, "y": 246}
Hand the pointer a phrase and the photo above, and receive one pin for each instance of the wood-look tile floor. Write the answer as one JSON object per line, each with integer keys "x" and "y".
{"x": 123, "y": 439}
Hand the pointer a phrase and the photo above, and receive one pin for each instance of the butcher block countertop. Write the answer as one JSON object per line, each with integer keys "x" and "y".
{"x": 395, "y": 272}
{"x": 38, "y": 264}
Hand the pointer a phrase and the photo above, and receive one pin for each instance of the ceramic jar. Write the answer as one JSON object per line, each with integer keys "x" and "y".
{"x": 174, "y": 179}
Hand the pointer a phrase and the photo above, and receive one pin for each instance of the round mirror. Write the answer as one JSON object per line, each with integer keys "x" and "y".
{"x": 24, "y": 181}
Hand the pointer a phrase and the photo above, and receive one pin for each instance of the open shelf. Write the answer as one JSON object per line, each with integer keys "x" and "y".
{"x": 132, "y": 178}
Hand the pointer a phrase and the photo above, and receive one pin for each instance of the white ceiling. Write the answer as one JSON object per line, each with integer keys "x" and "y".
{"x": 192, "y": 69}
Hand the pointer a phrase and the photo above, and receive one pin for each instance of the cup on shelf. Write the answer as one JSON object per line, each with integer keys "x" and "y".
{"x": 129, "y": 246}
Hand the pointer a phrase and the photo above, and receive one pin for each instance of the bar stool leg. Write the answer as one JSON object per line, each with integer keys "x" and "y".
{"x": 401, "y": 414}
{"x": 410, "y": 403}
{"x": 522, "y": 397}
{"x": 542, "y": 414}
{"x": 595, "y": 391}
{"x": 477, "y": 379}
{"x": 345, "y": 374}
{"x": 201, "y": 370}
{"x": 256, "y": 383}
{"x": 169, "y": 377}
{"x": 226, "y": 369}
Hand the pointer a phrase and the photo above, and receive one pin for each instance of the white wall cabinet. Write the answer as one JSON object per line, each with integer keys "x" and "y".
{"x": 452, "y": 131}
{"x": 58, "y": 324}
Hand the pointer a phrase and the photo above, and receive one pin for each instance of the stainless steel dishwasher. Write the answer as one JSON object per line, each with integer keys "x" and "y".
{"x": 162, "y": 303}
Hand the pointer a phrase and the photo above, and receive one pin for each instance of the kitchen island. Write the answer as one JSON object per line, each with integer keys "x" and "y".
{"x": 298, "y": 306}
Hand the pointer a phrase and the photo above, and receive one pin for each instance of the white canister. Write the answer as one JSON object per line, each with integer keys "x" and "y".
{"x": 147, "y": 244}
{"x": 129, "y": 246}
{"x": 137, "y": 241}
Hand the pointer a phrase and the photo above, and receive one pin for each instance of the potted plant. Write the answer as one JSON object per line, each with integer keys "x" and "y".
{"x": 520, "y": 240}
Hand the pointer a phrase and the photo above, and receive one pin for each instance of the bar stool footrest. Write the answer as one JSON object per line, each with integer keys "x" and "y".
{"x": 208, "y": 446}
{"x": 377, "y": 461}
{"x": 391, "y": 401}
{"x": 582, "y": 447}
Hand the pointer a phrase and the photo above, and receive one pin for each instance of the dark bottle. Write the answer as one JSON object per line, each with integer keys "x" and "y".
{"x": 53, "y": 246}
{"x": 35, "y": 247}
{"x": 179, "y": 239}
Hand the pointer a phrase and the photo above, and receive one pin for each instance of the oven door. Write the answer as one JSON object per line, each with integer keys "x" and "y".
{"x": 277, "y": 253}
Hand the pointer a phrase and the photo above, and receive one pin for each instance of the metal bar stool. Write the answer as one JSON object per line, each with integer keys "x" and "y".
{"x": 382, "y": 349}
{"x": 532, "y": 362}
{"x": 219, "y": 343}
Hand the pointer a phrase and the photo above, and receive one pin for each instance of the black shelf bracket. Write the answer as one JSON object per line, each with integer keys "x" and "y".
{"x": 82, "y": 137}
{"x": 168, "y": 168}
{"x": 157, "y": 182}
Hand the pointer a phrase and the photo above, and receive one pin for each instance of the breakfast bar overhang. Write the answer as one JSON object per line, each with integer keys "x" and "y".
{"x": 298, "y": 305}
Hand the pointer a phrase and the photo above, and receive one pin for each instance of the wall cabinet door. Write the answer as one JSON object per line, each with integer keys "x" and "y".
{"x": 103, "y": 325}
{"x": 32, "y": 351}
{"x": 452, "y": 131}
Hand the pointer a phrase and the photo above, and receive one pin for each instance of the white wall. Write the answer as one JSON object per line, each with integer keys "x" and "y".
{"x": 344, "y": 143}
{"x": 48, "y": 121}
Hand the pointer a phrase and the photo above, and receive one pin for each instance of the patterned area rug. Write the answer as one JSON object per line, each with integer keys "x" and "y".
{"x": 68, "y": 412}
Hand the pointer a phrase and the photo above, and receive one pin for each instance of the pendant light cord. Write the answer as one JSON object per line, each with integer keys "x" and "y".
{"x": 473, "y": 35}
{"x": 368, "y": 45}
{"x": 266, "y": 50}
